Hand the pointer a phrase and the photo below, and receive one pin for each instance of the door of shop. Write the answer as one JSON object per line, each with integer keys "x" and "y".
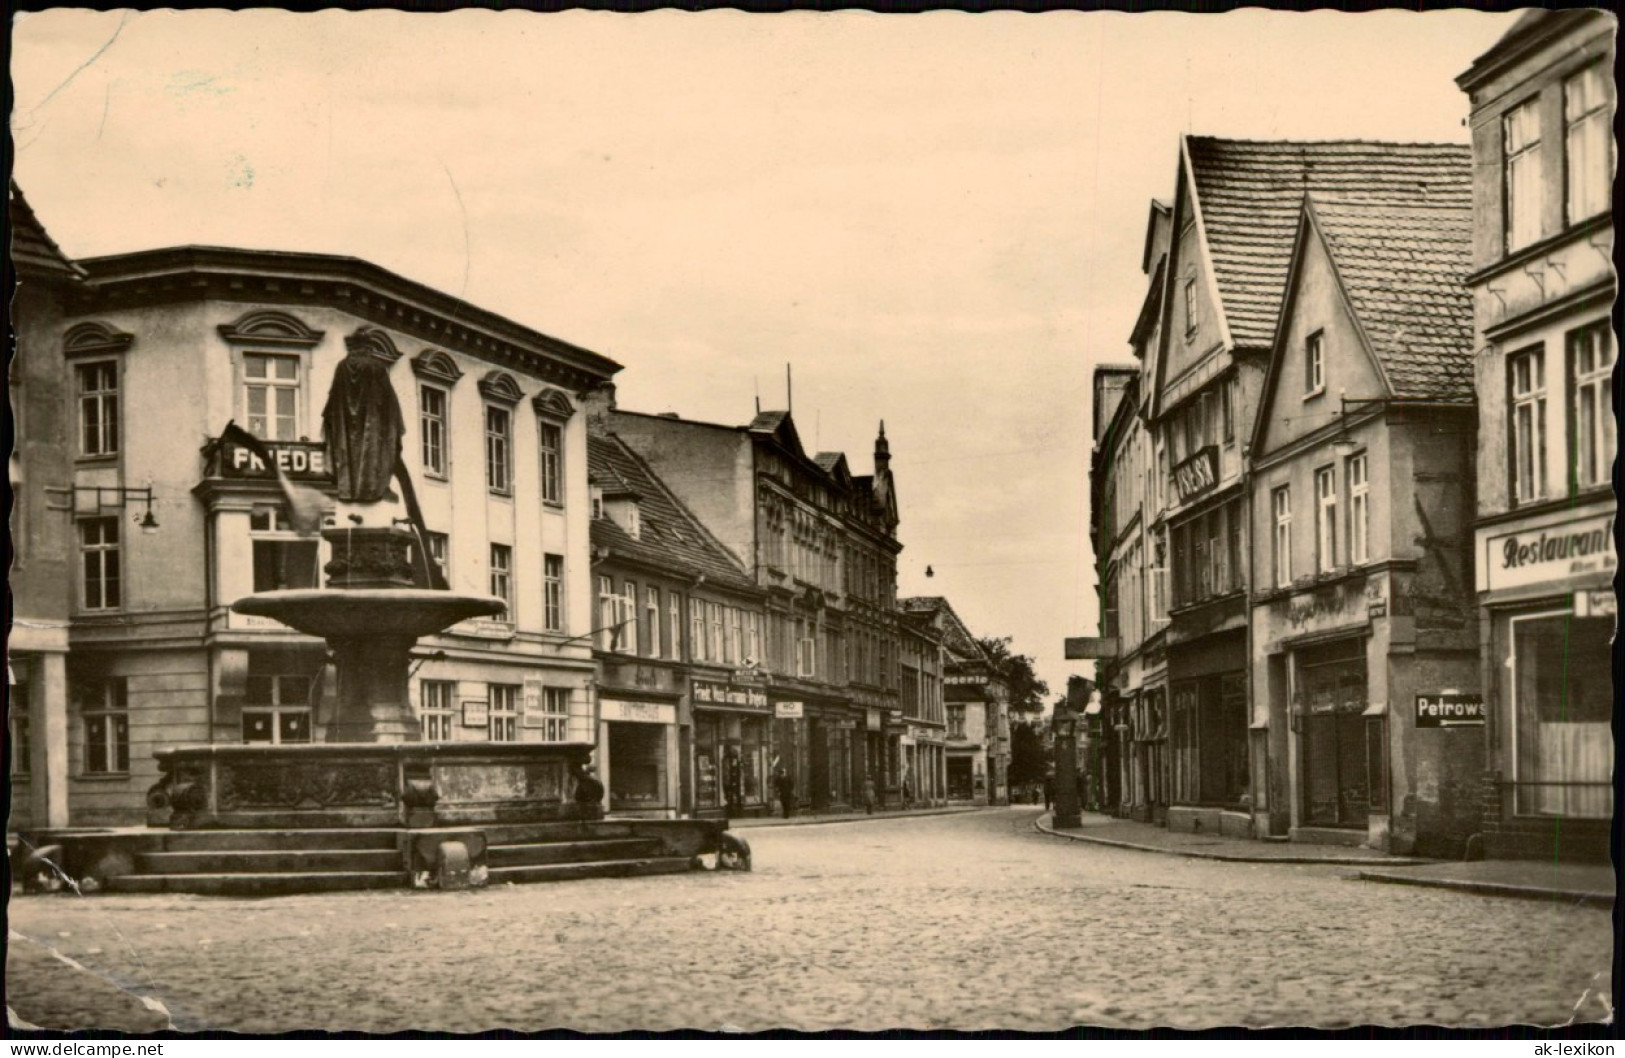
{"x": 1330, "y": 699}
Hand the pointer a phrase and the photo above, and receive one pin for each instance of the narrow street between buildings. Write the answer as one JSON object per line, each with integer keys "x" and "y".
{"x": 964, "y": 921}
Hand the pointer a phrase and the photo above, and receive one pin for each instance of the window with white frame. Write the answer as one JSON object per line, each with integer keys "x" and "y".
{"x": 1588, "y": 144}
{"x": 1190, "y": 306}
{"x": 1314, "y": 364}
{"x": 100, "y": 563}
{"x": 1359, "y": 509}
{"x": 432, "y": 426}
{"x": 503, "y": 716}
{"x": 674, "y": 624}
{"x": 1281, "y": 507}
{"x": 555, "y": 719}
{"x": 1325, "y": 519}
{"x": 276, "y": 704}
{"x": 1591, "y": 365}
{"x": 98, "y": 408}
{"x": 609, "y": 610}
{"x": 282, "y": 558}
{"x": 1526, "y": 393}
{"x": 440, "y": 553}
{"x": 104, "y": 707}
{"x": 1520, "y": 152}
{"x": 651, "y": 620}
{"x": 553, "y": 592}
{"x": 551, "y": 438}
{"x": 629, "y": 614}
{"x": 436, "y": 708}
{"x": 698, "y": 648}
{"x": 502, "y": 579}
{"x": 271, "y": 396}
{"x": 498, "y": 449}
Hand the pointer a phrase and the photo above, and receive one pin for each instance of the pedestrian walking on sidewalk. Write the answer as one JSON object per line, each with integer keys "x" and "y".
{"x": 1049, "y": 792}
{"x": 784, "y": 788}
{"x": 869, "y": 794}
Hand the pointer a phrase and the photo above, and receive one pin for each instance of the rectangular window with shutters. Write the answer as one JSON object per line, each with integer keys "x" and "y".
{"x": 436, "y": 708}
{"x": 1520, "y": 174}
{"x": 1588, "y": 144}
{"x": 1526, "y": 395}
{"x": 98, "y": 408}
{"x": 271, "y": 396}
{"x": 1591, "y": 368}
{"x": 503, "y": 717}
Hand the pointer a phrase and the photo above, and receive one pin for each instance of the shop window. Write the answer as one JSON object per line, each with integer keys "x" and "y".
{"x": 1281, "y": 548}
{"x": 553, "y": 592}
{"x": 436, "y": 709}
{"x": 637, "y": 766}
{"x": 282, "y": 559}
{"x": 502, "y": 579}
{"x": 1520, "y": 174}
{"x": 1526, "y": 392}
{"x": 1314, "y": 364}
{"x": 104, "y": 706}
{"x": 1592, "y": 433}
{"x": 1359, "y": 509}
{"x": 271, "y": 396}
{"x": 555, "y": 718}
{"x": 503, "y": 717}
{"x": 98, "y": 408}
{"x": 276, "y": 705}
{"x": 1588, "y": 156}
{"x": 101, "y": 566}
{"x": 18, "y": 709}
{"x": 432, "y": 427}
{"x": 1325, "y": 520}
{"x": 551, "y": 438}
{"x": 1562, "y": 692}
{"x": 498, "y": 450}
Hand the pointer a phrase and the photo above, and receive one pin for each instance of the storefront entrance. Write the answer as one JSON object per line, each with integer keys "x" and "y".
{"x": 1208, "y": 741}
{"x": 731, "y": 761}
{"x": 960, "y": 784}
{"x": 1329, "y": 702}
{"x": 637, "y": 767}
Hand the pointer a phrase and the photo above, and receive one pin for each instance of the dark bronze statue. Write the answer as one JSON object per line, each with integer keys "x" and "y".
{"x": 362, "y": 426}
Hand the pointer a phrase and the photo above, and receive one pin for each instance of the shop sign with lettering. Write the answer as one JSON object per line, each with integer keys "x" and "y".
{"x": 1449, "y": 710}
{"x": 636, "y": 712}
{"x": 1197, "y": 474}
{"x": 787, "y": 710}
{"x": 299, "y": 460}
{"x": 727, "y": 694}
{"x": 1555, "y": 552}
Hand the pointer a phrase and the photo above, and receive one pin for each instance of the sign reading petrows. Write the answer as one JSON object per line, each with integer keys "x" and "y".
{"x": 1555, "y": 552}
{"x": 1449, "y": 710}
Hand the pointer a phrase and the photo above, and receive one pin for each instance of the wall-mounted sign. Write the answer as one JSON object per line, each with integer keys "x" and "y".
{"x": 1197, "y": 474}
{"x": 476, "y": 712}
{"x": 299, "y": 460}
{"x": 1596, "y": 604}
{"x": 876, "y": 719}
{"x": 482, "y": 628}
{"x": 614, "y": 709}
{"x": 707, "y": 693}
{"x": 787, "y": 710}
{"x": 1082, "y": 647}
{"x": 1449, "y": 710}
{"x": 1554, "y": 552}
{"x": 533, "y": 697}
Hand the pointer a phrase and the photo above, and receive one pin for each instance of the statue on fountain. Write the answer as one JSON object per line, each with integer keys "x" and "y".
{"x": 362, "y": 426}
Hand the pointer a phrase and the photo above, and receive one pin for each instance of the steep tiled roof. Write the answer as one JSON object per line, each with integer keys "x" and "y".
{"x": 668, "y": 534}
{"x": 956, "y": 637}
{"x": 1250, "y": 194}
{"x": 1402, "y": 267}
{"x": 32, "y": 250}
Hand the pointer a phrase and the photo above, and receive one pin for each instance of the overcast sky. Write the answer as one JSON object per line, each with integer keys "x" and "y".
{"x": 936, "y": 219}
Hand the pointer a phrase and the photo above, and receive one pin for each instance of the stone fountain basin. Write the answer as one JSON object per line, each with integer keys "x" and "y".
{"x": 332, "y": 612}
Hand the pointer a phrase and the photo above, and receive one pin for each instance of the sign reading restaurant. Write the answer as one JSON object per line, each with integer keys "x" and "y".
{"x": 299, "y": 460}
{"x": 1197, "y": 474}
{"x": 1554, "y": 552}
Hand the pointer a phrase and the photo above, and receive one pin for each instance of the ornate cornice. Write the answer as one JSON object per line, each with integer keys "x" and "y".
{"x": 500, "y": 386}
{"x": 437, "y": 366}
{"x": 270, "y": 327}
{"x": 90, "y": 338}
{"x": 374, "y": 342}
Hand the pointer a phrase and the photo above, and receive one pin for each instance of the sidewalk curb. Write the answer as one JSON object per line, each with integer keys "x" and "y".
{"x": 1040, "y": 824}
{"x": 1518, "y": 892}
{"x": 861, "y": 817}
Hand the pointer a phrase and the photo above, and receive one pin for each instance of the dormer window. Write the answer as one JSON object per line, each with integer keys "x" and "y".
{"x": 597, "y": 502}
{"x": 623, "y": 511}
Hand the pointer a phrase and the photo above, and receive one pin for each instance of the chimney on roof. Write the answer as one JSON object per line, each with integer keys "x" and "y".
{"x": 599, "y": 403}
{"x": 882, "y": 451}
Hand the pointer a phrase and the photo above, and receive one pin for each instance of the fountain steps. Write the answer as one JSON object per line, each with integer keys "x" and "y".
{"x": 560, "y": 872}
{"x": 273, "y": 861}
{"x": 306, "y": 839}
{"x": 275, "y": 883}
{"x": 553, "y": 852}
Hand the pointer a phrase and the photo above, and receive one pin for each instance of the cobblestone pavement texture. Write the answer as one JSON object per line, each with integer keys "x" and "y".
{"x": 966, "y": 921}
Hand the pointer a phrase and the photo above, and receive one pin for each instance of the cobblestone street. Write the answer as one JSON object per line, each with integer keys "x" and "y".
{"x": 968, "y": 921}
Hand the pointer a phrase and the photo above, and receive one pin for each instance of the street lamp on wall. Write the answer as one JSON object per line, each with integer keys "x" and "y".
{"x": 116, "y": 497}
